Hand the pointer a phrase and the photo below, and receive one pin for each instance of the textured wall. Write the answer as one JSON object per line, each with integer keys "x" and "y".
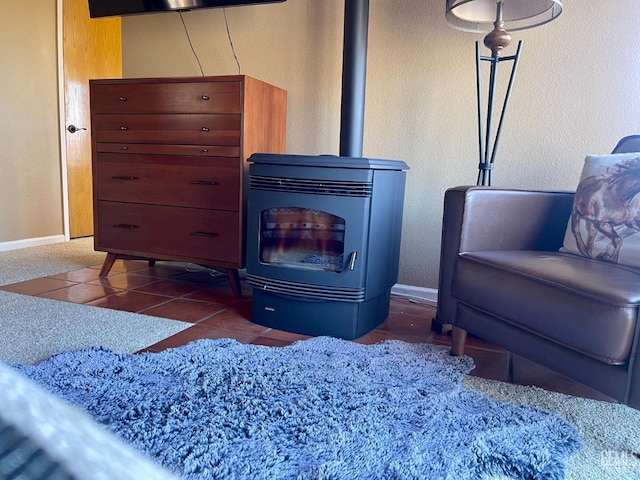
{"x": 30, "y": 182}
{"x": 575, "y": 92}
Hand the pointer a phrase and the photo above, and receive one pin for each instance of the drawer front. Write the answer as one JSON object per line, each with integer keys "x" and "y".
{"x": 197, "y": 97}
{"x": 207, "y": 235}
{"x": 158, "y": 149}
{"x": 167, "y": 181}
{"x": 168, "y": 129}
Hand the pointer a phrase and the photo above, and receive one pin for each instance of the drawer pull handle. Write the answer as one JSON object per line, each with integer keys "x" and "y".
{"x": 204, "y": 234}
{"x": 124, "y": 148}
{"x": 205, "y": 150}
{"x": 205, "y": 129}
{"x": 124, "y": 128}
{"x": 123, "y": 99}
{"x": 203, "y": 182}
{"x": 123, "y": 177}
{"x": 205, "y": 97}
{"x": 126, "y": 226}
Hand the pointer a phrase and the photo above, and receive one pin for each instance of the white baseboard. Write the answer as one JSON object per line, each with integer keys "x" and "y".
{"x": 412, "y": 292}
{"x": 31, "y": 242}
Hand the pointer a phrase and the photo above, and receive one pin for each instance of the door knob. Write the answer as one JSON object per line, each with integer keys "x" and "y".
{"x": 74, "y": 129}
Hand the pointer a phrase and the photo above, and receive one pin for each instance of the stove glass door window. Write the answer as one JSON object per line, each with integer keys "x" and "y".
{"x": 302, "y": 238}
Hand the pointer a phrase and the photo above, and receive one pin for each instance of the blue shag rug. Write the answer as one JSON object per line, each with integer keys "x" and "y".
{"x": 321, "y": 408}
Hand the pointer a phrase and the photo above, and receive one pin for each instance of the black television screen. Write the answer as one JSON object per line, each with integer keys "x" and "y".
{"x": 112, "y": 8}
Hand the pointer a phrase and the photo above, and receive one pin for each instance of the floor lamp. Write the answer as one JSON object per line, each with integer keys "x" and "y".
{"x": 496, "y": 17}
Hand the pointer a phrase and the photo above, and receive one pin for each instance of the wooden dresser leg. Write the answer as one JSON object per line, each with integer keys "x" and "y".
{"x": 108, "y": 263}
{"x": 458, "y": 339}
{"x": 234, "y": 281}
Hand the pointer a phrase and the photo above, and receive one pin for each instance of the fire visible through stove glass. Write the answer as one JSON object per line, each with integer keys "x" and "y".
{"x": 302, "y": 238}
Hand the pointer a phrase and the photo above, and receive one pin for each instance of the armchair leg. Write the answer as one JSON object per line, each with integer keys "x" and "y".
{"x": 458, "y": 339}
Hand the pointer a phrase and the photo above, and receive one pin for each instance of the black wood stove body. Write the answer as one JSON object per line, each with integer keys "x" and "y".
{"x": 323, "y": 241}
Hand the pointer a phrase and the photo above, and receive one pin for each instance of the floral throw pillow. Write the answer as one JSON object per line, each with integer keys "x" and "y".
{"x": 605, "y": 218}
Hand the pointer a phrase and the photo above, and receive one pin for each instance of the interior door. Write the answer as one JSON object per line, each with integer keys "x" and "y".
{"x": 92, "y": 48}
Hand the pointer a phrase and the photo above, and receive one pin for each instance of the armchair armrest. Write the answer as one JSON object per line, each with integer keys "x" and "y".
{"x": 489, "y": 218}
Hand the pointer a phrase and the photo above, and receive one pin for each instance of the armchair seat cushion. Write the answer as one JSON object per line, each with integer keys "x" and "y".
{"x": 566, "y": 301}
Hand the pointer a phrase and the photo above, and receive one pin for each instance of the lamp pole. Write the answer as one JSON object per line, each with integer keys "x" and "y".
{"x": 496, "y": 41}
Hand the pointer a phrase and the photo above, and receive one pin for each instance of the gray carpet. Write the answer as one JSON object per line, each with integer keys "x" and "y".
{"x": 36, "y": 262}
{"x": 610, "y": 432}
{"x": 35, "y": 328}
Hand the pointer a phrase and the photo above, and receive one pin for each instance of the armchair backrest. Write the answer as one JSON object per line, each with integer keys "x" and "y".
{"x": 628, "y": 144}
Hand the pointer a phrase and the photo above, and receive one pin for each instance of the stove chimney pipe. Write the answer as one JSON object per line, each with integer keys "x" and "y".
{"x": 354, "y": 77}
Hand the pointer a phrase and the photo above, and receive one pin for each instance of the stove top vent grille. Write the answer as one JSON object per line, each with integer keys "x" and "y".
{"x": 309, "y": 186}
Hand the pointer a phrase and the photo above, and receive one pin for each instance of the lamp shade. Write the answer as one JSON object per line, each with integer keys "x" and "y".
{"x": 479, "y": 15}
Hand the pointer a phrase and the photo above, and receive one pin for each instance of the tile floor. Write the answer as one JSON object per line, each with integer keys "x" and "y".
{"x": 199, "y": 296}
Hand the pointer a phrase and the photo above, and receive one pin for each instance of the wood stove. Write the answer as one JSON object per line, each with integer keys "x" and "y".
{"x": 323, "y": 241}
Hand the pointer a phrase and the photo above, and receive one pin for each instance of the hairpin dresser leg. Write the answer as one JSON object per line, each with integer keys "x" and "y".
{"x": 108, "y": 263}
{"x": 234, "y": 281}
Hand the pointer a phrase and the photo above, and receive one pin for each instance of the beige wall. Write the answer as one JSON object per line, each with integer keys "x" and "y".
{"x": 30, "y": 171}
{"x": 576, "y": 91}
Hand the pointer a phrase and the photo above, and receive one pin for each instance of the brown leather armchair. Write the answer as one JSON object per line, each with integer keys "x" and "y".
{"x": 503, "y": 279}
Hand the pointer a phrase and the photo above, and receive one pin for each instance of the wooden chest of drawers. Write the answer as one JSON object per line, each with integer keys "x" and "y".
{"x": 169, "y": 166}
